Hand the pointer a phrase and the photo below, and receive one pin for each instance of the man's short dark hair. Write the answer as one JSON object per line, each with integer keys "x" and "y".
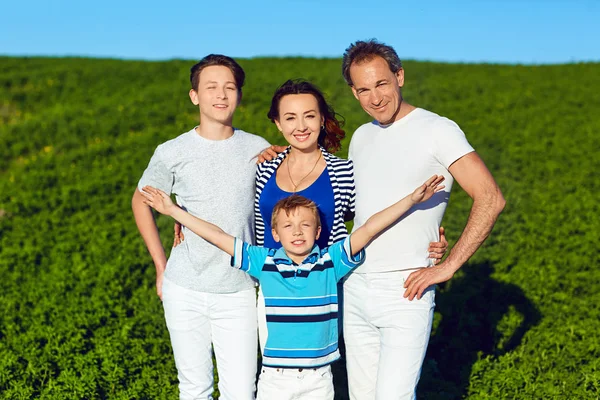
{"x": 217, "y": 59}
{"x": 363, "y": 51}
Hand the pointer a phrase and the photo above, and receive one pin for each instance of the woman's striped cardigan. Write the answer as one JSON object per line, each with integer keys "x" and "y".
{"x": 341, "y": 174}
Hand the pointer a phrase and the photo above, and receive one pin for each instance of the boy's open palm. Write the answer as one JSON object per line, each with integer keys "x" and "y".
{"x": 157, "y": 199}
{"x": 426, "y": 190}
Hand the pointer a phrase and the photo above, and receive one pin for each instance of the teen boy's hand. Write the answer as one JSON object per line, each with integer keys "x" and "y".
{"x": 158, "y": 200}
{"x": 426, "y": 190}
{"x": 270, "y": 153}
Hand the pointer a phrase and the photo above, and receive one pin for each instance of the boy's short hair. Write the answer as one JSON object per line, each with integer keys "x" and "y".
{"x": 364, "y": 51}
{"x": 292, "y": 203}
{"x": 218, "y": 59}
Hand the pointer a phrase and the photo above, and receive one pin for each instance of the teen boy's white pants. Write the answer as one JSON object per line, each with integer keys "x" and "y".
{"x": 295, "y": 384}
{"x": 227, "y": 321}
{"x": 386, "y": 335}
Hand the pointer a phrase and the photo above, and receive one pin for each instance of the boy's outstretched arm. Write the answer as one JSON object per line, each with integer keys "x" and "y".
{"x": 162, "y": 203}
{"x": 384, "y": 218}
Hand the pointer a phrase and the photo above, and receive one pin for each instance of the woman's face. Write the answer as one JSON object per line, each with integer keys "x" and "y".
{"x": 300, "y": 120}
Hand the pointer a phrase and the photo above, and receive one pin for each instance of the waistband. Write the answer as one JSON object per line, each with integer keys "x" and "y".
{"x": 294, "y": 371}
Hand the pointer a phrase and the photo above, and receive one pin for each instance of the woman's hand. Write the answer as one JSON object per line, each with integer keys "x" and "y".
{"x": 179, "y": 237}
{"x": 438, "y": 249}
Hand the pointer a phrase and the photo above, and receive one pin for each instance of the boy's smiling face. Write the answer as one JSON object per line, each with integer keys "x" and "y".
{"x": 217, "y": 94}
{"x": 297, "y": 232}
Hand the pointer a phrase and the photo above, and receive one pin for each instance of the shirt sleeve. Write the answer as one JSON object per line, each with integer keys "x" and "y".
{"x": 248, "y": 258}
{"x": 158, "y": 174}
{"x": 449, "y": 142}
{"x": 341, "y": 256}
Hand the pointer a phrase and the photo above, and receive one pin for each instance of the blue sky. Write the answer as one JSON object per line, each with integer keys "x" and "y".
{"x": 509, "y": 31}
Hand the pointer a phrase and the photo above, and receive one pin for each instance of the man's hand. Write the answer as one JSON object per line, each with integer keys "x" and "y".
{"x": 158, "y": 200}
{"x": 270, "y": 153}
{"x": 179, "y": 237}
{"x": 438, "y": 249}
{"x": 418, "y": 281}
{"x": 426, "y": 190}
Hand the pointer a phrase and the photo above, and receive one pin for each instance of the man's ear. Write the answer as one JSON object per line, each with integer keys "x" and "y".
{"x": 194, "y": 97}
{"x": 400, "y": 77}
{"x": 275, "y": 235}
{"x": 318, "y": 232}
{"x": 239, "y": 98}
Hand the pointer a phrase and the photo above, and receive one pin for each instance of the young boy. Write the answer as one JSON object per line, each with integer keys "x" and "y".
{"x": 299, "y": 283}
{"x": 206, "y": 303}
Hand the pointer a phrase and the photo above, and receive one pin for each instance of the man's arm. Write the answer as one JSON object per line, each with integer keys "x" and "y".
{"x": 162, "y": 203}
{"x": 147, "y": 227}
{"x": 473, "y": 176}
{"x": 386, "y": 217}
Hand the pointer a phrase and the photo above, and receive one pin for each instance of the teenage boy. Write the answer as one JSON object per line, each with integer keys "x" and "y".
{"x": 299, "y": 283}
{"x": 211, "y": 171}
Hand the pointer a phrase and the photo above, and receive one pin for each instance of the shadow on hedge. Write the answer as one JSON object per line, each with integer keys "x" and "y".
{"x": 474, "y": 312}
{"x": 472, "y": 308}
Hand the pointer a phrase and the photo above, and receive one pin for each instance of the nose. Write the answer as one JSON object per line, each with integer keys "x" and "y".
{"x": 376, "y": 97}
{"x": 301, "y": 125}
{"x": 298, "y": 232}
{"x": 221, "y": 93}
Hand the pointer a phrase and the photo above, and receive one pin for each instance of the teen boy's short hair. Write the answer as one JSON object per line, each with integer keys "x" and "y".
{"x": 290, "y": 204}
{"x": 217, "y": 59}
{"x": 364, "y": 51}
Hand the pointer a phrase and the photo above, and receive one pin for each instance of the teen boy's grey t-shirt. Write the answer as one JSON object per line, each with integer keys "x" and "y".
{"x": 213, "y": 180}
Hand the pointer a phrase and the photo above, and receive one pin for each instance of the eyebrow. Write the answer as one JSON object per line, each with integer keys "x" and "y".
{"x": 305, "y": 112}
{"x": 228, "y": 82}
{"x": 376, "y": 83}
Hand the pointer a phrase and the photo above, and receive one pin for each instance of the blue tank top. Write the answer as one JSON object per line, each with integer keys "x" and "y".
{"x": 320, "y": 192}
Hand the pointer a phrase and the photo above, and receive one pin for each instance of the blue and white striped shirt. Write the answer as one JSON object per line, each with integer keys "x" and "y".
{"x": 301, "y": 301}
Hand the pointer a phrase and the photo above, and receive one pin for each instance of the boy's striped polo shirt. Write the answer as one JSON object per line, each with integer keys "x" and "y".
{"x": 301, "y": 300}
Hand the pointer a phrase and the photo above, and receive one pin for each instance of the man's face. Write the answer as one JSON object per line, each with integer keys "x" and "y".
{"x": 297, "y": 232}
{"x": 217, "y": 94}
{"x": 377, "y": 89}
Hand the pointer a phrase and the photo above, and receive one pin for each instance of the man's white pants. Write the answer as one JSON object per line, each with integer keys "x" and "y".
{"x": 386, "y": 335}
{"x": 227, "y": 321}
{"x": 294, "y": 383}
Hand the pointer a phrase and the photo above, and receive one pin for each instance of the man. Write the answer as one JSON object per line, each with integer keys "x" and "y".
{"x": 386, "y": 328}
{"x": 206, "y": 302}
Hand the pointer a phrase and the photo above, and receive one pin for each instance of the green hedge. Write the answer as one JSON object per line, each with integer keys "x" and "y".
{"x": 79, "y": 317}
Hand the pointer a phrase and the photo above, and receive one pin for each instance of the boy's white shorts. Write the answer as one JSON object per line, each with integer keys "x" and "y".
{"x": 295, "y": 383}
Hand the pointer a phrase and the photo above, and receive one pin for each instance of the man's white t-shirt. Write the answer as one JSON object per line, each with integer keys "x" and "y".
{"x": 390, "y": 162}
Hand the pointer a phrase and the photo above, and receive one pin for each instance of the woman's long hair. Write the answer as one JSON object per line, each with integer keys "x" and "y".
{"x": 332, "y": 134}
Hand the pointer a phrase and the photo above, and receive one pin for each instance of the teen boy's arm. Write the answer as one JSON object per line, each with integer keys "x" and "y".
{"x": 147, "y": 227}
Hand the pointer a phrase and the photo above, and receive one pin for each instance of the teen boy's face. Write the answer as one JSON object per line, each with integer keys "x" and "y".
{"x": 377, "y": 89}
{"x": 300, "y": 120}
{"x": 297, "y": 232}
{"x": 217, "y": 94}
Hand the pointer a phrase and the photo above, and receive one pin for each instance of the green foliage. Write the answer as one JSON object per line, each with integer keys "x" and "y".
{"x": 79, "y": 317}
